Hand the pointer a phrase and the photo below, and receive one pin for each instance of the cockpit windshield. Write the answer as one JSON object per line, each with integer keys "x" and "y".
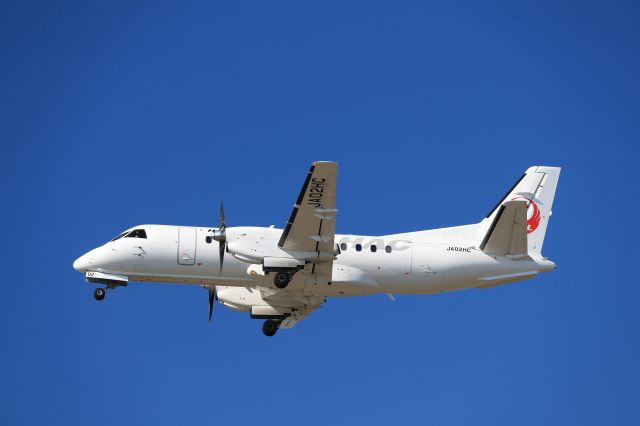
{"x": 120, "y": 236}
{"x": 136, "y": 233}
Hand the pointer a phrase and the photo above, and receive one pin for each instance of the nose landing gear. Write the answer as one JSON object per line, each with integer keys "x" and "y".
{"x": 99, "y": 294}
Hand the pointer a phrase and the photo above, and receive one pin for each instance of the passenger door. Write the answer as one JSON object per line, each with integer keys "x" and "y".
{"x": 187, "y": 246}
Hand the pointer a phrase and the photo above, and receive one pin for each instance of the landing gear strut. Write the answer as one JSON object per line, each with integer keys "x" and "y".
{"x": 99, "y": 294}
{"x": 281, "y": 279}
{"x": 270, "y": 327}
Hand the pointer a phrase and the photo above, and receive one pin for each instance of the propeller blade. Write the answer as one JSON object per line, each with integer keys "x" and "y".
{"x": 212, "y": 295}
{"x": 222, "y": 226}
{"x": 221, "y": 254}
{"x": 221, "y": 236}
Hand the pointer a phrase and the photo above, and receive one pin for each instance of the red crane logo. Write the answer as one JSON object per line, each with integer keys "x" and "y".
{"x": 533, "y": 221}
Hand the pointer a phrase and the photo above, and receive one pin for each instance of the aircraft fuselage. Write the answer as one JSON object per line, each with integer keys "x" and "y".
{"x": 414, "y": 263}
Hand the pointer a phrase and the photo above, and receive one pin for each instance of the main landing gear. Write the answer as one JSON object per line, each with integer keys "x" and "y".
{"x": 270, "y": 327}
{"x": 282, "y": 279}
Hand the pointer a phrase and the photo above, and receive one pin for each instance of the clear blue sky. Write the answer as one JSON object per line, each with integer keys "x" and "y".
{"x": 120, "y": 113}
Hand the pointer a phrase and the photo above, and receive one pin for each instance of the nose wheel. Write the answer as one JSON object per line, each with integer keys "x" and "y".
{"x": 99, "y": 294}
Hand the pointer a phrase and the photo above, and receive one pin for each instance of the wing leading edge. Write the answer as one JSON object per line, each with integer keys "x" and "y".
{"x": 311, "y": 225}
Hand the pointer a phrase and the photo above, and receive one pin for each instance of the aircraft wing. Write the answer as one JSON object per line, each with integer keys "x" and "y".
{"x": 311, "y": 225}
{"x": 310, "y": 228}
{"x": 298, "y": 316}
{"x": 298, "y": 304}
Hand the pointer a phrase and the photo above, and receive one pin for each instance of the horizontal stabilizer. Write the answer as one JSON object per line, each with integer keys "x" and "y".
{"x": 496, "y": 280}
{"x": 507, "y": 235}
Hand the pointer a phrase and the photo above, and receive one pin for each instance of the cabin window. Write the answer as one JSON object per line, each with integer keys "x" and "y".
{"x": 374, "y": 248}
{"x": 358, "y": 247}
{"x": 343, "y": 246}
{"x": 137, "y": 233}
{"x": 387, "y": 249}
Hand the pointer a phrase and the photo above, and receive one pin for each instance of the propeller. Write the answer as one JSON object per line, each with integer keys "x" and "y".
{"x": 221, "y": 236}
{"x": 213, "y": 295}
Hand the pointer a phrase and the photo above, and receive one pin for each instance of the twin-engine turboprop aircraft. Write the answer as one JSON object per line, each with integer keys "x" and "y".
{"x": 284, "y": 275}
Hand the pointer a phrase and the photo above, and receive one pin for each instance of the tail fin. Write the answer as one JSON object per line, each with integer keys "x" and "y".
{"x": 537, "y": 187}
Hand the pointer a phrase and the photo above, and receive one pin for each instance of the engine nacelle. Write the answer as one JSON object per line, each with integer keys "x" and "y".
{"x": 266, "y": 312}
{"x": 238, "y": 298}
{"x": 260, "y": 245}
{"x": 249, "y": 300}
{"x": 276, "y": 264}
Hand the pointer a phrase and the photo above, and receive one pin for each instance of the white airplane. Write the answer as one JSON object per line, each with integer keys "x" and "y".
{"x": 284, "y": 275}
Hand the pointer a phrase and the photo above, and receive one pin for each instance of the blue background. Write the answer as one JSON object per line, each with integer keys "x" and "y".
{"x": 116, "y": 114}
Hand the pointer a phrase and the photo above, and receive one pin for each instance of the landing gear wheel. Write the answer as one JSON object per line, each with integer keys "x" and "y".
{"x": 281, "y": 279}
{"x": 270, "y": 327}
{"x": 99, "y": 294}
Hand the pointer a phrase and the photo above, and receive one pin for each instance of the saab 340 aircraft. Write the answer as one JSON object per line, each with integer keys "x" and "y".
{"x": 284, "y": 275}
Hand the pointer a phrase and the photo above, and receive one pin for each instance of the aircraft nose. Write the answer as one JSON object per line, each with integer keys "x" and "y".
{"x": 82, "y": 263}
